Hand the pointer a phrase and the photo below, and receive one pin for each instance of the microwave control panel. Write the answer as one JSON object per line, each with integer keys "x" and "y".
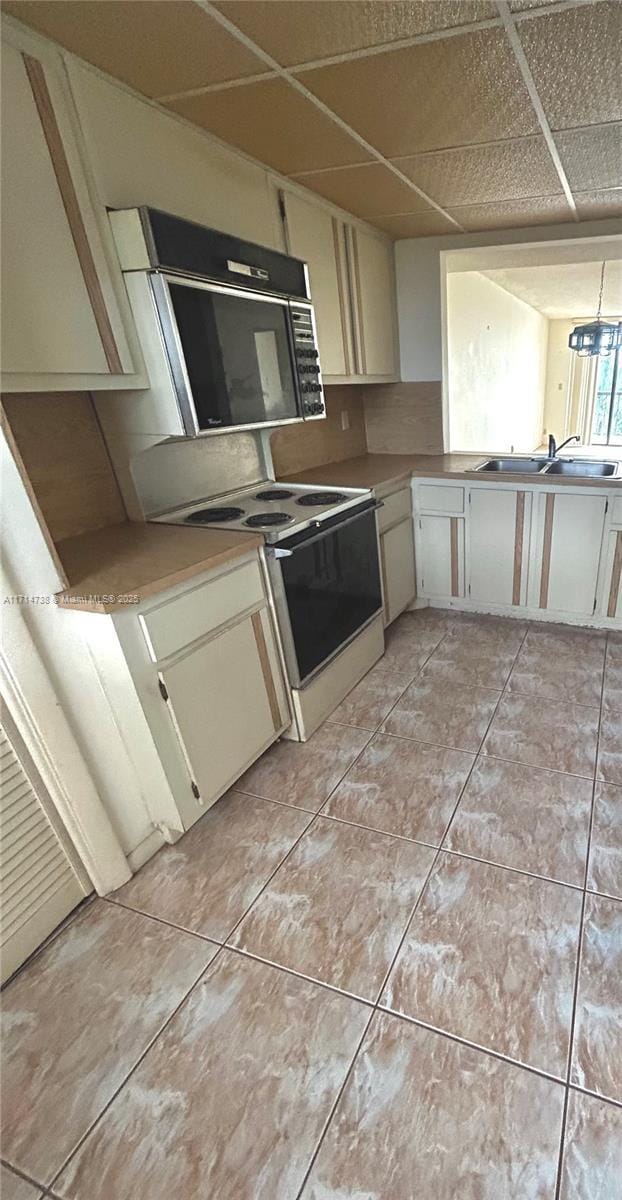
{"x": 307, "y": 361}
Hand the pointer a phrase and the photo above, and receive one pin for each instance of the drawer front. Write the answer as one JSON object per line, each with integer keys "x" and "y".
{"x": 170, "y": 626}
{"x": 395, "y": 508}
{"x": 440, "y": 498}
{"x": 616, "y": 511}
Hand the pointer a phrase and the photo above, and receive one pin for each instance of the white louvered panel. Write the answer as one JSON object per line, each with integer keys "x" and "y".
{"x": 38, "y": 885}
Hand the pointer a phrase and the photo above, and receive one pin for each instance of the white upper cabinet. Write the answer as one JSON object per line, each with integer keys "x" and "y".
{"x": 63, "y": 323}
{"x": 352, "y": 278}
{"x": 373, "y": 290}
{"x": 315, "y": 236}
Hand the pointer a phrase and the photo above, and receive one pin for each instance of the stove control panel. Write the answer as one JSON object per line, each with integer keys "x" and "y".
{"x": 307, "y": 361}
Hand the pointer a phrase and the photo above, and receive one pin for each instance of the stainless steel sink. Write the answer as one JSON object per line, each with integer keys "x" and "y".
{"x": 530, "y": 466}
{"x": 574, "y": 466}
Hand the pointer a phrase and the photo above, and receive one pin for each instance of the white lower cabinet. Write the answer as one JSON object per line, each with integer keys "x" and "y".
{"x": 397, "y": 560}
{"x": 611, "y": 598}
{"x": 223, "y": 703}
{"x": 195, "y": 677}
{"x": 440, "y": 556}
{"x": 499, "y": 522}
{"x": 543, "y": 550}
{"x": 568, "y": 544}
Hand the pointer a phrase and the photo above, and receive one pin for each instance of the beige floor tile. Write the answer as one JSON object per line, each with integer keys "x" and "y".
{"x": 409, "y": 642}
{"x": 370, "y": 701}
{"x": 13, "y": 1187}
{"x": 424, "y": 1117}
{"x": 489, "y": 633}
{"x": 605, "y": 872}
{"x": 592, "y": 1166}
{"x": 469, "y": 664}
{"x": 403, "y": 787}
{"x": 490, "y": 957}
{"x": 531, "y": 730}
{"x": 567, "y": 641}
{"x": 550, "y": 677}
{"x": 597, "y": 1053}
{"x": 305, "y": 773}
{"x": 336, "y": 910}
{"x": 443, "y": 714}
{"x": 231, "y": 1101}
{"x": 612, "y": 691}
{"x": 206, "y": 881}
{"x": 610, "y": 748}
{"x": 524, "y": 817}
{"x": 77, "y": 1019}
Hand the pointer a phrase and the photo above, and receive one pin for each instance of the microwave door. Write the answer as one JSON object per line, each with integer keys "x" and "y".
{"x": 236, "y": 353}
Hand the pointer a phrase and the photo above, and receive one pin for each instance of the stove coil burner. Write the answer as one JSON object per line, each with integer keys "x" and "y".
{"x": 210, "y": 516}
{"x": 316, "y": 498}
{"x": 274, "y": 494}
{"x": 263, "y": 520}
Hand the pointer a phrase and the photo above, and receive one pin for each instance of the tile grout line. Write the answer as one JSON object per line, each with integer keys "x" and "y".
{"x": 577, "y": 977}
{"x": 132, "y": 1071}
{"x": 385, "y": 979}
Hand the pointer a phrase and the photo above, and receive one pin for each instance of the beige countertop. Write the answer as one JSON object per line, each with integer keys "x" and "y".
{"x": 381, "y": 470}
{"x": 110, "y": 569}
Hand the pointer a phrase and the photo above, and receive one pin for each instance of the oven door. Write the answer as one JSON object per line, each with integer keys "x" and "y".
{"x": 327, "y": 589}
{"x": 231, "y": 354}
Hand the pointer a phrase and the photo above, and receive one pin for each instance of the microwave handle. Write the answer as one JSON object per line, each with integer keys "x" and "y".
{"x": 282, "y": 552}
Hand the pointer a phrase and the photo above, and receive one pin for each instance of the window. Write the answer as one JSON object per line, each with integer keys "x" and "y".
{"x": 607, "y": 417}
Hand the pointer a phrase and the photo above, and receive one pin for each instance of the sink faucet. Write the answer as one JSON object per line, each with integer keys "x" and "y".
{"x": 554, "y": 449}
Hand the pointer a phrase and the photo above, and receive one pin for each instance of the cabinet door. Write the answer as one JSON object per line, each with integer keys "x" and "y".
{"x": 317, "y": 238}
{"x": 397, "y": 551}
{"x": 611, "y": 605}
{"x": 61, "y": 327}
{"x": 498, "y": 544}
{"x": 440, "y": 556}
{"x": 227, "y": 702}
{"x": 373, "y": 289}
{"x": 571, "y": 539}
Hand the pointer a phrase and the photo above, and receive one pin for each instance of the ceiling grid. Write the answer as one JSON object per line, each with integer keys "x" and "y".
{"x": 420, "y": 117}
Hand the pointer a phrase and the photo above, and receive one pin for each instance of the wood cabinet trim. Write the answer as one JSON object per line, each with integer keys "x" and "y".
{"x": 58, "y": 158}
{"x": 616, "y": 576}
{"x": 518, "y": 547}
{"x": 342, "y": 298}
{"x": 262, "y": 650}
{"x": 546, "y": 549}
{"x": 453, "y": 546}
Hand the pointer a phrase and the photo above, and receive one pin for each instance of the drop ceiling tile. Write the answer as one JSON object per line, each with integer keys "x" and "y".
{"x": 274, "y": 123}
{"x": 597, "y": 206}
{"x": 280, "y": 27}
{"x": 156, "y": 47}
{"x": 592, "y": 157}
{"x": 575, "y": 61}
{"x": 415, "y": 224}
{"x": 366, "y": 191}
{"x": 477, "y": 174}
{"x": 430, "y": 96}
{"x": 513, "y": 214}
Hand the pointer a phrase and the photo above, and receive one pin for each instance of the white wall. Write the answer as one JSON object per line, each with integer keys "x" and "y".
{"x": 558, "y": 380}
{"x": 419, "y": 270}
{"x": 496, "y": 352}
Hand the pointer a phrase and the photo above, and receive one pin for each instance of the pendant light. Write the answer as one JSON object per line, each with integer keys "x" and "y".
{"x": 599, "y": 337}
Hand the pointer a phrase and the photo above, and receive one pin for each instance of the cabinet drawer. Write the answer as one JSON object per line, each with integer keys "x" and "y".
{"x": 440, "y": 498}
{"x": 395, "y": 508}
{"x": 616, "y": 511}
{"x": 176, "y": 623}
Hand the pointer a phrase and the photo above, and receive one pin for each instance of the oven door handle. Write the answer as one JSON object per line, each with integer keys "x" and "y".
{"x": 282, "y": 552}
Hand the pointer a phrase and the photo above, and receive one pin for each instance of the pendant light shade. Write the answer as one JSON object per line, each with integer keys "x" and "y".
{"x": 596, "y": 337}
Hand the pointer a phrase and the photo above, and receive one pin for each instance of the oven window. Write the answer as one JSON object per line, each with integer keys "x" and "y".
{"x": 237, "y": 355}
{"x": 332, "y": 588}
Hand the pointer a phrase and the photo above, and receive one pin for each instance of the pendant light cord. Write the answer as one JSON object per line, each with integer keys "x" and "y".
{"x": 600, "y": 296}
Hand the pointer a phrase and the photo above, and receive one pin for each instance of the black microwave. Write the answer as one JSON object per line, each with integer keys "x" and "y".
{"x": 237, "y": 323}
